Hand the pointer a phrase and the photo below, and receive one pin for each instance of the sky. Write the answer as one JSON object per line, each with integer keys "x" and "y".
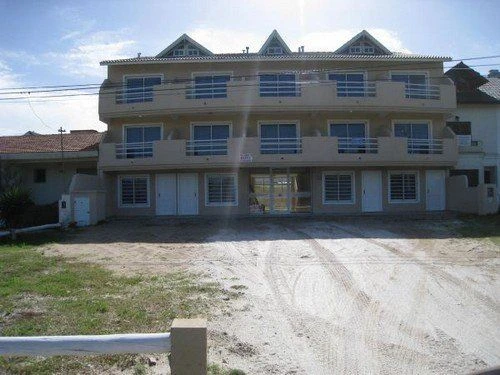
{"x": 45, "y": 43}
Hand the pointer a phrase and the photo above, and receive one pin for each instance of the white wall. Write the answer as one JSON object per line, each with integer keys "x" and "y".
{"x": 485, "y": 126}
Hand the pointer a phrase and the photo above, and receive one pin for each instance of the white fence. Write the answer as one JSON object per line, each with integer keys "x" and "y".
{"x": 186, "y": 342}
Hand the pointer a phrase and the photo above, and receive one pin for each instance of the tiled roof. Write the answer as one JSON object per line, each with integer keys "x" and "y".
{"x": 286, "y": 57}
{"x": 492, "y": 88}
{"x": 75, "y": 141}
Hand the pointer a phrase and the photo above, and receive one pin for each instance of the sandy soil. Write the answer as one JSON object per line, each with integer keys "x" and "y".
{"x": 324, "y": 296}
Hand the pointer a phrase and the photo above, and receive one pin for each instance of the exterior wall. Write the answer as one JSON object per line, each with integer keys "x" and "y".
{"x": 243, "y": 192}
{"x": 485, "y": 127}
{"x": 473, "y": 200}
{"x": 56, "y": 183}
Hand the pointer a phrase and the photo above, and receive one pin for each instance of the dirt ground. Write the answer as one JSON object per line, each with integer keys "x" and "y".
{"x": 325, "y": 296}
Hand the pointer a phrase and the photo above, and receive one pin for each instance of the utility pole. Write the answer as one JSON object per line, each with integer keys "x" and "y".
{"x": 61, "y": 131}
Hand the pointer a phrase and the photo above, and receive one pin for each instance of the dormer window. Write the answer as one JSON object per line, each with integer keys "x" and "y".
{"x": 274, "y": 50}
{"x": 362, "y": 49}
{"x": 179, "y": 52}
{"x": 193, "y": 52}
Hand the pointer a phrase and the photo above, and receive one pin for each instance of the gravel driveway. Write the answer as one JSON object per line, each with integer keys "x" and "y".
{"x": 324, "y": 296}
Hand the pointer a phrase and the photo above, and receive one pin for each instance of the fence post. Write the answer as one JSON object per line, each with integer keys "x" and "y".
{"x": 188, "y": 355}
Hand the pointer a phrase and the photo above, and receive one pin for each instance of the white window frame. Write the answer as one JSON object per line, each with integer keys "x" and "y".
{"x": 410, "y": 72}
{"x": 278, "y": 122}
{"x": 142, "y": 125}
{"x": 146, "y": 75}
{"x": 413, "y": 121}
{"x": 417, "y": 187}
{"x": 273, "y": 50}
{"x": 178, "y": 52}
{"x": 353, "y": 187}
{"x": 348, "y": 121}
{"x": 222, "y": 204}
{"x": 278, "y": 72}
{"x": 363, "y": 72}
{"x": 141, "y": 205}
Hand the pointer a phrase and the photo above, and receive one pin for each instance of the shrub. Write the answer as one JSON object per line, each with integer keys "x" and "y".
{"x": 13, "y": 203}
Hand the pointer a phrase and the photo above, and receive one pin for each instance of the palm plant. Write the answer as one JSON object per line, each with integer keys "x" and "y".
{"x": 13, "y": 203}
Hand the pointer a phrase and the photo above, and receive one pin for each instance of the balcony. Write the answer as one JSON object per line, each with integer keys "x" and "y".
{"x": 247, "y": 95}
{"x": 305, "y": 151}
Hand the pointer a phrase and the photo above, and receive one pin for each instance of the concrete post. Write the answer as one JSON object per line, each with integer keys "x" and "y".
{"x": 188, "y": 355}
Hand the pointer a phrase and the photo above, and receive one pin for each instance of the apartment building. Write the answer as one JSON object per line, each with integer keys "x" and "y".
{"x": 359, "y": 129}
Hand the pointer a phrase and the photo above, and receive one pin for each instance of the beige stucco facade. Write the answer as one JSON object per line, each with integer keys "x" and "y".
{"x": 316, "y": 103}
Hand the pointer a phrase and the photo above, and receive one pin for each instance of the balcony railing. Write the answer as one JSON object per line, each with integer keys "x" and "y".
{"x": 425, "y": 146}
{"x": 417, "y": 91}
{"x": 206, "y": 147}
{"x": 207, "y": 91}
{"x": 279, "y": 89}
{"x": 280, "y": 145}
{"x": 135, "y": 150}
{"x": 357, "y": 145}
{"x": 134, "y": 95}
{"x": 356, "y": 89}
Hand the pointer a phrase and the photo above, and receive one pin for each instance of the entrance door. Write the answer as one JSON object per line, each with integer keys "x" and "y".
{"x": 166, "y": 194}
{"x": 187, "y": 193}
{"x": 435, "y": 193}
{"x": 82, "y": 211}
{"x": 280, "y": 192}
{"x": 372, "y": 191}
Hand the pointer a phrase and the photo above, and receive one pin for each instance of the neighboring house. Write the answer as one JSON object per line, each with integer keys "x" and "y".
{"x": 360, "y": 129}
{"x": 477, "y": 125}
{"x": 45, "y": 165}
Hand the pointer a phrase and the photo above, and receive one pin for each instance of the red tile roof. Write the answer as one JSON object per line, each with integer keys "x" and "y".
{"x": 74, "y": 141}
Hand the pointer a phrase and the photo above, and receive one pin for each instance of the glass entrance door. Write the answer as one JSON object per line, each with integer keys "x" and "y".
{"x": 280, "y": 191}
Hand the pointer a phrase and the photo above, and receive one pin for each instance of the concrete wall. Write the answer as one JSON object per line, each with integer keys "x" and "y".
{"x": 475, "y": 200}
{"x": 56, "y": 182}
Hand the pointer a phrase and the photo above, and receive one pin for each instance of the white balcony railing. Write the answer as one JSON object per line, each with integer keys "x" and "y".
{"x": 280, "y": 145}
{"x": 417, "y": 91}
{"x": 134, "y": 150}
{"x": 134, "y": 95}
{"x": 356, "y": 89}
{"x": 357, "y": 145}
{"x": 206, "y": 147}
{"x": 425, "y": 146}
{"x": 207, "y": 91}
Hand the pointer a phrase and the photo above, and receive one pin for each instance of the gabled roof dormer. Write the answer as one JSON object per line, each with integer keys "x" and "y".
{"x": 184, "y": 46}
{"x": 363, "y": 43}
{"x": 274, "y": 45}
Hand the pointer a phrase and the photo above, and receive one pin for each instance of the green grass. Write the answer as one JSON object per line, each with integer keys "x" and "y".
{"x": 481, "y": 227}
{"x": 47, "y": 295}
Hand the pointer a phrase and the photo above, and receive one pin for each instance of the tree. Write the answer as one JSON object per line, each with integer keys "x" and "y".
{"x": 13, "y": 203}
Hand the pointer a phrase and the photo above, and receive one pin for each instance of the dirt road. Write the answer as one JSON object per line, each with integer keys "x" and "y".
{"x": 350, "y": 296}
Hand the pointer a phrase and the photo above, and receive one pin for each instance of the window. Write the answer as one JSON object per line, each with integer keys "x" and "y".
{"x": 417, "y": 134}
{"x": 178, "y": 52}
{"x": 208, "y": 139}
{"x": 39, "y": 176}
{"x": 358, "y": 49}
{"x": 415, "y": 84}
{"x": 134, "y": 191}
{"x": 278, "y": 85}
{"x": 403, "y": 187}
{"x": 471, "y": 174}
{"x": 349, "y": 84}
{"x": 139, "y": 141}
{"x": 352, "y": 137}
{"x": 280, "y": 138}
{"x": 208, "y": 87}
{"x": 139, "y": 89}
{"x": 338, "y": 188}
{"x": 275, "y": 50}
{"x": 221, "y": 190}
{"x": 193, "y": 52}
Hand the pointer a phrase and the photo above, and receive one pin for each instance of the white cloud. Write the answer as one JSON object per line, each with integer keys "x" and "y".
{"x": 83, "y": 58}
{"x": 7, "y": 77}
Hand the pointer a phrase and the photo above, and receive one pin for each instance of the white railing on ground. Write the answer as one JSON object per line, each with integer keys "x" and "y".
{"x": 425, "y": 146}
{"x": 186, "y": 342}
{"x": 85, "y": 345}
{"x": 280, "y": 145}
{"x": 357, "y": 145}
{"x": 206, "y": 147}
{"x": 134, "y": 150}
{"x": 356, "y": 89}
{"x": 418, "y": 91}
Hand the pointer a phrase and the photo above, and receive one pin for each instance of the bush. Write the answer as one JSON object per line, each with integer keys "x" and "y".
{"x": 13, "y": 204}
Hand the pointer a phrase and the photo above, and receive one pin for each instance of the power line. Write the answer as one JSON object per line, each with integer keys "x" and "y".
{"x": 182, "y": 80}
{"x": 36, "y": 115}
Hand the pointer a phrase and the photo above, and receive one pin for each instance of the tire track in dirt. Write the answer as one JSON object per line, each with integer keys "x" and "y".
{"x": 429, "y": 267}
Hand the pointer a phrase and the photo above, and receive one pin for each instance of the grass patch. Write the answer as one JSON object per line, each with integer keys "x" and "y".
{"x": 216, "y": 369}
{"x": 48, "y": 295}
{"x": 481, "y": 227}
